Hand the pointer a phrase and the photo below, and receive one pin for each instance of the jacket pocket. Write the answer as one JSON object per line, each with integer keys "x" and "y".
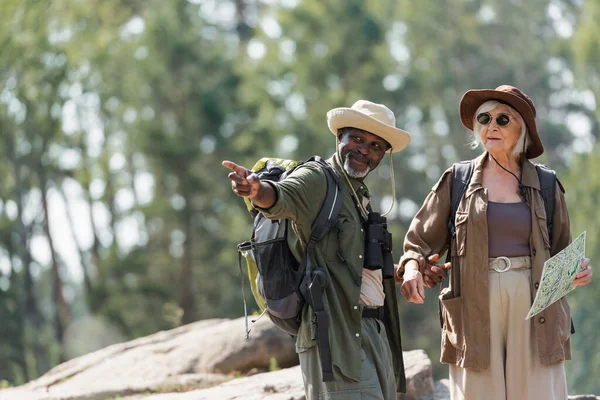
{"x": 452, "y": 318}
{"x": 460, "y": 241}
{"x": 331, "y": 242}
{"x": 540, "y": 214}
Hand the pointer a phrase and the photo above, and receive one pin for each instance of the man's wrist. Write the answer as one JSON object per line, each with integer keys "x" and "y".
{"x": 411, "y": 265}
{"x": 399, "y": 271}
{"x": 266, "y": 196}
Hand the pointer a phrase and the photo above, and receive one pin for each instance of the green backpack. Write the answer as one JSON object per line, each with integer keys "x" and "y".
{"x": 280, "y": 283}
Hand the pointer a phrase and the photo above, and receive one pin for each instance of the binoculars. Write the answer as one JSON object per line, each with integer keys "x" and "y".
{"x": 378, "y": 247}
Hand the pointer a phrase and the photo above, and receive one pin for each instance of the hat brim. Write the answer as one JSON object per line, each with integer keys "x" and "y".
{"x": 472, "y": 99}
{"x": 347, "y": 117}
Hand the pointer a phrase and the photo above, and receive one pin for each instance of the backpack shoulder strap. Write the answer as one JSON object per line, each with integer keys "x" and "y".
{"x": 461, "y": 176}
{"x": 329, "y": 210}
{"x": 548, "y": 181}
{"x": 315, "y": 279}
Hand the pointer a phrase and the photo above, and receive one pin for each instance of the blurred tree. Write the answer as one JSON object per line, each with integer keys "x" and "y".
{"x": 585, "y": 48}
{"x": 120, "y": 112}
{"x": 583, "y": 196}
{"x": 32, "y": 75}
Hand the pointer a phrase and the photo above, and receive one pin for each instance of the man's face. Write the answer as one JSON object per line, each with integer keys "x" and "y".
{"x": 361, "y": 152}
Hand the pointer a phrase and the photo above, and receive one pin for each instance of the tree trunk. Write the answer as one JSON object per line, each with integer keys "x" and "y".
{"x": 87, "y": 194}
{"x": 186, "y": 279}
{"x": 62, "y": 315}
{"x": 85, "y": 267}
{"x": 33, "y": 318}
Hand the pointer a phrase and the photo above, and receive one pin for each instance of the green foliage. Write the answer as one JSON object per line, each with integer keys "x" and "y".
{"x": 120, "y": 112}
{"x": 582, "y": 199}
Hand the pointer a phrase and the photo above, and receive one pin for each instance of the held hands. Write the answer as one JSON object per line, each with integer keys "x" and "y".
{"x": 434, "y": 274}
{"x": 584, "y": 276}
{"x": 244, "y": 182}
{"x": 413, "y": 285}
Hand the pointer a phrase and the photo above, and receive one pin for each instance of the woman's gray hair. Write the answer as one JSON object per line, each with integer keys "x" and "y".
{"x": 489, "y": 106}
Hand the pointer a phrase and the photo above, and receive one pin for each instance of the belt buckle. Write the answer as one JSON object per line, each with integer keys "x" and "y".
{"x": 506, "y": 261}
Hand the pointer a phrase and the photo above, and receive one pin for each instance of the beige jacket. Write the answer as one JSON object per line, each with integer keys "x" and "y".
{"x": 466, "y": 320}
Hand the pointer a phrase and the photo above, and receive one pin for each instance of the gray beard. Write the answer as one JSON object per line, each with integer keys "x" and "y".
{"x": 352, "y": 172}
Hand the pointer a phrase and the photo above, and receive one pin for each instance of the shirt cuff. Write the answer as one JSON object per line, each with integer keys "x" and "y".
{"x": 411, "y": 255}
{"x": 275, "y": 208}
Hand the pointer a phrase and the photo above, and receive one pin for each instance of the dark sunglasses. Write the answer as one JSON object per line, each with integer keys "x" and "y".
{"x": 485, "y": 118}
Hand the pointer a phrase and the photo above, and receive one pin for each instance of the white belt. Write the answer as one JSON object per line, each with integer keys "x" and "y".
{"x": 503, "y": 264}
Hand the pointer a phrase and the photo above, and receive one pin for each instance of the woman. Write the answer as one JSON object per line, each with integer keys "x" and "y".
{"x": 498, "y": 252}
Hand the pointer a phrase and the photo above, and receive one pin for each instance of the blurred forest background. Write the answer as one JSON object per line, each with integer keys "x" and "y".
{"x": 116, "y": 217}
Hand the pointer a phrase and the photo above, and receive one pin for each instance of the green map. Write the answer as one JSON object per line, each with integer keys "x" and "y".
{"x": 558, "y": 275}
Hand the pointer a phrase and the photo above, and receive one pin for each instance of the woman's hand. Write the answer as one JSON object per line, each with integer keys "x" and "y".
{"x": 434, "y": 273}
{"x": 412, "y": 287}
{"x": 584, "y": 276}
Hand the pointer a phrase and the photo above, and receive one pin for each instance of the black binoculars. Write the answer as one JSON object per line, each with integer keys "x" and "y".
{"x": 378, "y": 246}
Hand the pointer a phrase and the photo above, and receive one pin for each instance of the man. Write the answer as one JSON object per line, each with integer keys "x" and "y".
{"x": 364, "y": 331}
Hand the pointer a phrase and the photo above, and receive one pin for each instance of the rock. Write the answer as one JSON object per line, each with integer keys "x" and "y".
{"x": 419, "y": 380}
{"x": 441, "y": 390}
{"x": 224, "y": 349}
{"x": 199, "y": 361}
{"x": 205, "y": 350}
{"x": 285, "y": 384}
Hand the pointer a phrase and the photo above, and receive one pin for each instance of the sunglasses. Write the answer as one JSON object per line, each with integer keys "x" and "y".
{"x": 486, "y": 118}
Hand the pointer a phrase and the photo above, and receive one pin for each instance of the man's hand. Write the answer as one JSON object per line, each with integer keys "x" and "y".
{"x": 434, "y": 273}
{"x": 244, "y": 182}
{"x": 584, "y": 276}
{"x": 412, "y": 287}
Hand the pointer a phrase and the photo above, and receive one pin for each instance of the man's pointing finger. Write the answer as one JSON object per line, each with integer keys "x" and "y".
{"x": 241, "y": 171}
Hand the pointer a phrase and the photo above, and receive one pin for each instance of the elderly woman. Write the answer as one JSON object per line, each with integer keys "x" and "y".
{"x": 500, "y": 244}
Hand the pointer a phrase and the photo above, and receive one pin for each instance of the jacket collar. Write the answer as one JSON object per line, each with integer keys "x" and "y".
{"x": 529, "y": 176}
{"x": 477, "y": 177}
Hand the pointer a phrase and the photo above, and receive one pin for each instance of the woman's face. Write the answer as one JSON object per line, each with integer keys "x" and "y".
{"x": 499, "y": 138}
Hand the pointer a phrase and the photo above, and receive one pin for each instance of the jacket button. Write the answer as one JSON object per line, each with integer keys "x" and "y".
{"x": 537, "y": 285}
{"x": 534, "y": 252}
{"x": 542, "y": 320}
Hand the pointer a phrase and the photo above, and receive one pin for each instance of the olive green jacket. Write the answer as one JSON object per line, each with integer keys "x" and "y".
{"x": 299, "y": 198}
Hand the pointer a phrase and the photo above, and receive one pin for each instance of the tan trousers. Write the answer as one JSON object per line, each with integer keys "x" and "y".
{"x": 515, "y": 371}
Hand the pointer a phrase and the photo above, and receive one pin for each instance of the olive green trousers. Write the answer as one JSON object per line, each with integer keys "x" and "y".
{"x": 377, "y": 380}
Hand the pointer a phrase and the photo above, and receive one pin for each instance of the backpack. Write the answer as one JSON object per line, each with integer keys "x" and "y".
{"x": 461, "y": 176}
{"x": 281, "y": 284}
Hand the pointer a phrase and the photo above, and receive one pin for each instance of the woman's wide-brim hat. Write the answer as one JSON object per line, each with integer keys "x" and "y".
{"x": 512, "y": 96}
{"x": 371, "y": 117}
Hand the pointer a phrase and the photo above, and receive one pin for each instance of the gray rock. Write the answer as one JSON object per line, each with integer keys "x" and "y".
{"x": 202, "y": 361}
{"x": 205, "y": 350}
{"x": 419, "y": 380}
{"x": 287, "y": 384}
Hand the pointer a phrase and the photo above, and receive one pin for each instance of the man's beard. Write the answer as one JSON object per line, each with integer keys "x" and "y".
{"x": 351, "y": 171}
